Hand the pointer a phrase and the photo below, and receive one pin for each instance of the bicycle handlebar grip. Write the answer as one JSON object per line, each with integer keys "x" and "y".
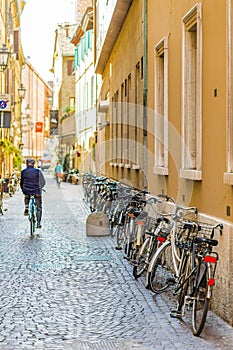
{"x": 220, "y": 229}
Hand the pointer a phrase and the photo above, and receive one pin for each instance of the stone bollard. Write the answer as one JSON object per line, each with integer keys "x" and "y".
{"x": 97, "y": 224}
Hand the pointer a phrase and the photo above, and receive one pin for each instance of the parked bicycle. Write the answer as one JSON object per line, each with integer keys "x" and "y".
{"x": 197, "y": 273}
{"x": 157, "y": 229}
{"x": 164, "y": 266}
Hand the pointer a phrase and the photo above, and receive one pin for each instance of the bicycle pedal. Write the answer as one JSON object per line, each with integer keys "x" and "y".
{"x": 176, "y": 314}
{"x": 118, "y": 248}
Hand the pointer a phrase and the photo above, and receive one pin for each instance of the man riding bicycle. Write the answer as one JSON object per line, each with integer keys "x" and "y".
{"x": 32, "y": 181}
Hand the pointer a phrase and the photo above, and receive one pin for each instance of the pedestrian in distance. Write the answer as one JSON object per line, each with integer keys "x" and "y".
{"x": 32, "y": 181}
{"x": 58, "y": 172}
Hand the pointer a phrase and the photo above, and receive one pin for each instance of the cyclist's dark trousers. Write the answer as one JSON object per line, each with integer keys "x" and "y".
{"x": 38, "y": 199}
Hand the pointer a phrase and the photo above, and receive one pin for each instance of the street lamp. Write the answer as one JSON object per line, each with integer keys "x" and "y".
{"x": 4, "y": 57}
{"x": 22, "y": 92}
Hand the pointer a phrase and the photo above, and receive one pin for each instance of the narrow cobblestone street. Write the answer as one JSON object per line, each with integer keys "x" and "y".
{"x": 64, "y": 290}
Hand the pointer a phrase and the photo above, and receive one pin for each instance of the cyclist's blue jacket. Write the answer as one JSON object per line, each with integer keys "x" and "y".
{"x": 32, "y": 181}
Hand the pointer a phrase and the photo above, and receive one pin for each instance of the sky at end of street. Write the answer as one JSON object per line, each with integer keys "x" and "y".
{"x": 38, "y": 24}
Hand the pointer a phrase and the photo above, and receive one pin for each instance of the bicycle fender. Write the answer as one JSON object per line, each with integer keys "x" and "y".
{"x": 157, "y": 252}
{"x": 201, "y": 274}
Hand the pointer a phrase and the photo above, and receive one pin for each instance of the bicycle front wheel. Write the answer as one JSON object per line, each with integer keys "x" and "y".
{"x": 160, "y": 273}
{"x": 32, "y": 225}
{"x": 140, "y": 263}
{"x": 201, "y": 303}
{"x": 120, "y": 236}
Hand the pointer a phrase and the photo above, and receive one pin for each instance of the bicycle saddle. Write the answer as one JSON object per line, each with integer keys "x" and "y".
{"x": 209, "y": 241}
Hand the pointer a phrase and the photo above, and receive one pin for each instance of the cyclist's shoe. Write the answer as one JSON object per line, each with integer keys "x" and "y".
{"x": 26, "y": 212}
{"x": 38, "y": 225}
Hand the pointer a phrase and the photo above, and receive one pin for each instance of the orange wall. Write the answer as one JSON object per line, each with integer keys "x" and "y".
{"x": 165, "y": 19}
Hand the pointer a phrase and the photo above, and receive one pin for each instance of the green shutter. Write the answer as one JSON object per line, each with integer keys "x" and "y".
{"x": 89, "y": 38}
{"x": 82, "y": 48}
{"x": 86, "y": 43}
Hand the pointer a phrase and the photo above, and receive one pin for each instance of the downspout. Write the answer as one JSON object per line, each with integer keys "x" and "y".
{"x": 145, "y": 89}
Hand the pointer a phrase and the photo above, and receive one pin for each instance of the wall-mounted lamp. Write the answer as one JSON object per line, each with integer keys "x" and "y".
{"x": 22, "y": 92}
{"x": 27, "y": 109}
{"x": 4, "y": 57}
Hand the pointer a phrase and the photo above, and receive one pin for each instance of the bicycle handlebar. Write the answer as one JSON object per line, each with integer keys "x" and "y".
{"x": 211, "y": 227}
{"x": 186, "y": 209}
{"x": 168, "y": 198}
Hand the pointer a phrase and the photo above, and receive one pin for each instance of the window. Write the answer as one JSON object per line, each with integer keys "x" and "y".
{"x": 70, "y": 67}
{"x": 161, "y": 107}
{"x": 114, "y": 123}
{"x": 16, "y": 43}
{"x": 192, "y": 94}
{"x": 137, "y": 120}
{"x": 127, "y": 150}
{"x": 92, "y": 92}
{"x": 228, "y": 175}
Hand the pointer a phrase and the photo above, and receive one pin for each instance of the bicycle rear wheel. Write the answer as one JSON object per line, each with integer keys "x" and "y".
{"x": 160, "y": 273}
{"x": 201, "y": 303}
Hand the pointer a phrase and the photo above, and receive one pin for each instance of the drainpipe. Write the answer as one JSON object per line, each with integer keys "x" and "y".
{"x": 145, "y": 90}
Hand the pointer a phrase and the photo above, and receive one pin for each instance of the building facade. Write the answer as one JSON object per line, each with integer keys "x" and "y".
{"x": 119, "y": 59}
{"x": 87, "y": 85}
{"x": 11, "y": 80}
{"x": 64, "y": 92}
{"x": 190, "y": 119}
{"x": 166, "y": 108}
{"x": 35, "y": 114}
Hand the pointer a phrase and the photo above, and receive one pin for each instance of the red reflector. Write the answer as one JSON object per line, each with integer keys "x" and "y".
{"x": 211, "y": 282}
{"x": 210, "y": 259}
{"x": 161, "y": 239}
{"x": 140, "y": 223}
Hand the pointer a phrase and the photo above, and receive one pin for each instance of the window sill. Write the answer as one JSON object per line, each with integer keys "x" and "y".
{"x": 228, "y": 178}
{"x": 136, "y": 167}
{"x": 159, "y": 170}
{"x": 190, "y": 174}
{"x": 127, "y": 166}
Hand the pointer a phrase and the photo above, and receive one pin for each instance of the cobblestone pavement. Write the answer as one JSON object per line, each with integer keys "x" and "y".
{"x": 63, "y": 290}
